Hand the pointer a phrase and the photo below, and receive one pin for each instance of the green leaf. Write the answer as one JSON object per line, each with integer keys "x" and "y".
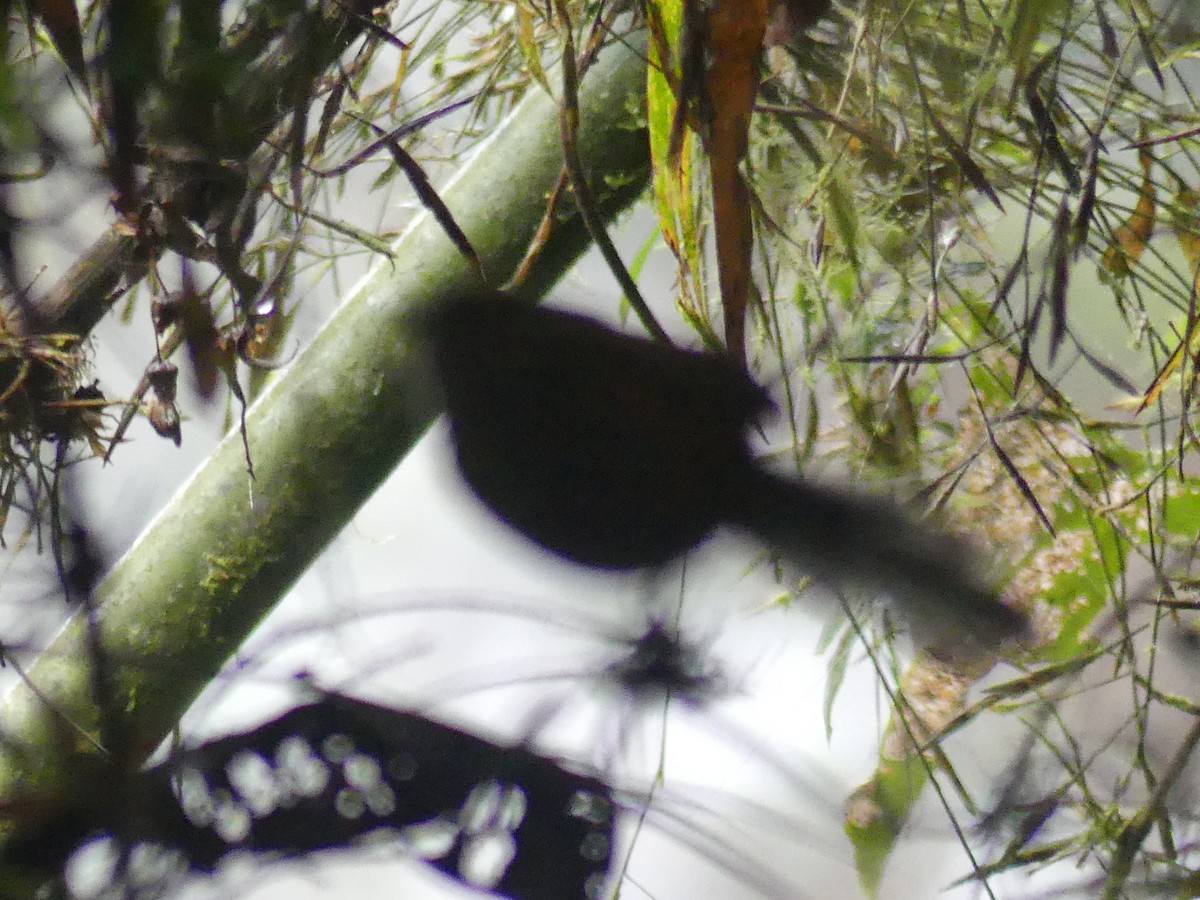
{"x": 876, "y": 813}
{"x": 1181, "y": 513}
{"x": 838, "y": 664}
{"x": 1027, "y": 20}
{"x": 839, "y": 204}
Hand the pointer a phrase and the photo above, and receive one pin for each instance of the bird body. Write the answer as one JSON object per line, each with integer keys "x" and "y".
{"x": 619, "y": 453}
{"x": 611, "y": 451}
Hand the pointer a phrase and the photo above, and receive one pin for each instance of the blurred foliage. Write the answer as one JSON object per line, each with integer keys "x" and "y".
{"x": 975, "y": 220}
{"x": 974, "y": 260}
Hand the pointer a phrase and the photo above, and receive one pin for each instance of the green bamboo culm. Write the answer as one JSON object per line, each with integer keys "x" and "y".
{"x": 323, "y": 437}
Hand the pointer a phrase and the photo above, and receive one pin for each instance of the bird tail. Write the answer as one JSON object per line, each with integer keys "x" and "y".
{"x": 851, "y": 539}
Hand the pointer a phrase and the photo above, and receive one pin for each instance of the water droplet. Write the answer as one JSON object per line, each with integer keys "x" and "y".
{"x": 255, "y": 781}
{"x": 362, "y": 771}
{"x": 299, "y": 770}
{"x": 513, "y": 807}
{"x": 381, "y": 800}
{"x": 596, "y": 886}
{"x": 402, "y": 767}
{"x": 480, "y": 808}
{"x": 337, "y": 747}
{"x": 595, "y": 847}
{"x": 349, "y": 803}
{"x": 590, "y": 807}
{"x": 431, "y": 839}
{"x": 486, "y": 856}
{"x": 195, "y": 798}
{"x": 231, "y": 820}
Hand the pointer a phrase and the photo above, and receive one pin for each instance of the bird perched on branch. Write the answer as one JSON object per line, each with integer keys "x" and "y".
{"x": 619, "y": 453}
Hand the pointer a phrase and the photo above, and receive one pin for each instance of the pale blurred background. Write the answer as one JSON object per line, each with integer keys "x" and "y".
{"x": 425, "y": 601}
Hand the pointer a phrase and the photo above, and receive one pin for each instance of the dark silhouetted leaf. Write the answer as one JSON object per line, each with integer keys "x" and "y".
{"x": 61, "y": 19}
{"x": 1060, "y": 265}
{"x": 1044, "y": 122}
{"x": 327, "y": 775}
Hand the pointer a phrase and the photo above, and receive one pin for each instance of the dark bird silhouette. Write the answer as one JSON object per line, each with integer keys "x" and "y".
{"x": 619, "y": 453}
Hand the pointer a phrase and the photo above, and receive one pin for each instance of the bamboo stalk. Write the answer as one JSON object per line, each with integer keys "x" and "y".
{"x": 323, "y": 437}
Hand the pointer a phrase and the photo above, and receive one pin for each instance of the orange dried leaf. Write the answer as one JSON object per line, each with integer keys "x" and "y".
{"x": 1185, "y": 227}
{"x": 1130, "y": 239}
{"x": 1163, "y": 375}
{"x": 1189, "y": 241}
{"x": 734, "y": 30}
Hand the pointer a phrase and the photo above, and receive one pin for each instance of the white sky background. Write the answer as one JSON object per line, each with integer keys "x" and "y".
{"x": 422, "y": 539}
